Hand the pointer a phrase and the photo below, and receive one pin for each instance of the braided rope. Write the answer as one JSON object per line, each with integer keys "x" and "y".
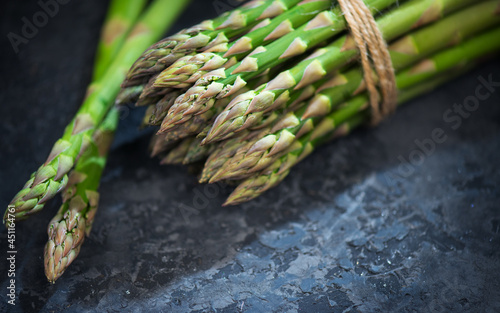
{"x": 371, "y": 43}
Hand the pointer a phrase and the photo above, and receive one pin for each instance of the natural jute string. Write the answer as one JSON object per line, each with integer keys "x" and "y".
{"x": 370, "y": 42}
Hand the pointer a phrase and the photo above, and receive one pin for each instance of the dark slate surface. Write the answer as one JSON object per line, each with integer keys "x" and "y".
{"x": 350, "y": 230}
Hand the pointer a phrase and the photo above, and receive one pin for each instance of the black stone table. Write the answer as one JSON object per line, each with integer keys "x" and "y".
{"x": 379, "y": 221}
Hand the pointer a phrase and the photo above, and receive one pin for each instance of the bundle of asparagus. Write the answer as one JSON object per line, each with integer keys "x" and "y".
{"x": 247, "y": 93}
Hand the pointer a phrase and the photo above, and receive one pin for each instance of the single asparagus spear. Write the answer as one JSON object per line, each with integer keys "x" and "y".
{"x": 197, "y": 125}
{"x": 80, "y": 199}
{"x": 454, "y": 59}
{"x": 253, "y": 158}
{"x": 120, "y": 19}
{"x": 248, "y": 113}
{"x": 324, "y": 26}
{"x": 51, "y": 177}
{"x": 210, "y": 34}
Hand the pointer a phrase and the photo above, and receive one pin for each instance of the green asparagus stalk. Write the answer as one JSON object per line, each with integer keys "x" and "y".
{"x": 250, "y": 112}
{"x": 471, "y": 50}
{"x": 164, "y": 141}
{"x": 324, "y": 26}
{"x": 120, "y": 19}
{"x": 357, "y": 109}
{"x": 80, "y": 199}
{"x": 208, "y": 35}
{"x": 52, "y": 177}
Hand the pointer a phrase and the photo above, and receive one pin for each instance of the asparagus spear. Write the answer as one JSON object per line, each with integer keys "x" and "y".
{"x": 120, "y": 19}
{"x": 324, "y": 26}
{"x": 357, "y": 110}
{"x": 52, "y": 177}
{"x": 467, "y": 52}
{"x": 80, "y": 199}
{"x": 248, "y": 113}
{"x": 212, "y": 34}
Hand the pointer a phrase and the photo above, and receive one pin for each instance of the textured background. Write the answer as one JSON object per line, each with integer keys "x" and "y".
{"x": 344, "y": 232}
